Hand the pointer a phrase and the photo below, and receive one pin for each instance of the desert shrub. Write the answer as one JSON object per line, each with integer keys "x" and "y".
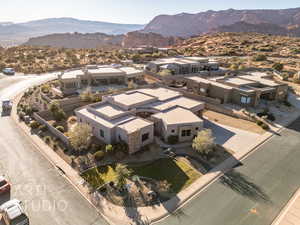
{"x": 121, "y": 147}
{"x": 258, "y": 58}
{"x": 43, "y": 127}
{"x": 259, "y": 122}
{"x": 278, "y": 66}
{"x": 45, "y": 88}
{"x": 55, "y": 147}
{"x": 61, "y": 129}
{"x": 98, "y": 156}
{"x": 47, "y": 139}
{"x": 21, "y": 115}
{"x": 173, "y": 139}
{"x": 296, "y": 78}
{"x": 34, "y": 125}
{"x": 109, "y": 149}
{"x": 265, "y": 126}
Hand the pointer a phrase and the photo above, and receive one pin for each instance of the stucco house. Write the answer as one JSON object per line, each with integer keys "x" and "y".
{"x": 135, "y": 117}
{"x": 71, "y": 81}
{"x": 183, "y": 65}
{"x": 245, "y": 90}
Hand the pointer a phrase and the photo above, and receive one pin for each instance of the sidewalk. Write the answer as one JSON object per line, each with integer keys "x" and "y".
{"x": 290, "y": 215}
{"x": 149, "y": 214}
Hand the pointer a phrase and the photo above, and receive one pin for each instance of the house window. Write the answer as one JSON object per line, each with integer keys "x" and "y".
{"x": 245, "y": 100}
{"x": 186, "y": 133}
{"x": 173, "y": 131}
{"x": 145, "y": 137}
{"x": 101, "y": 133}
{"x": 197, "y": 128}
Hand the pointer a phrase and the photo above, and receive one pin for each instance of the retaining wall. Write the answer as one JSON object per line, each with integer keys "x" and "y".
{"x": 52, "y": 129}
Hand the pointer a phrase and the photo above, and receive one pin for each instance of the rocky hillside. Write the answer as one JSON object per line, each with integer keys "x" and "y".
{"x": 77, "y": 40}
{"x": 100, "y": 40}
{"x": 135, "y": 39}
{"x": 240, "y": 44}
{"x": 187, "y": 25}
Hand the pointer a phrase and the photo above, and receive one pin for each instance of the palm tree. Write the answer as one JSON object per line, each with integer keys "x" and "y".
{"x": 123, "y": 173}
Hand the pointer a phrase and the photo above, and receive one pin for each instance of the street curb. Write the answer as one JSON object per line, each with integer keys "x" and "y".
{"x": 38, "y": 148}
{"x": 245, "y": 156}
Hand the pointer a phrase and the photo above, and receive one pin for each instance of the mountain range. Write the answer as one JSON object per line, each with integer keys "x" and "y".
{"x": 187, "y": 25}
{"x": 17, "y": 33}
{"x": 161, "y": 31}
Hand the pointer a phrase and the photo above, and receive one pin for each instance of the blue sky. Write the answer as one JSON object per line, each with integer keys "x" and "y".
{"x": 124, "y": 11}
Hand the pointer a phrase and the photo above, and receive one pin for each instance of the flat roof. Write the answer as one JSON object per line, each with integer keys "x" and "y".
{"x": 183, "y": 102}
{"x": 103, "y": 121}
{"x": 106, "y": 70}
{"x": 132, "y": 98}
{"x": 130, "y": 70}
{"x": 212, "y": 82}
{"x": 109, "y": 110}
{"x": 261, "y": 80}
{"x": 178, "y": 115}
{"x": 238, "y": 81}
{"x": 199, "y": 79}
{"x": 134, "y": 125}
{"x": 162, "y": 94}
{"x": 72, "y": 74}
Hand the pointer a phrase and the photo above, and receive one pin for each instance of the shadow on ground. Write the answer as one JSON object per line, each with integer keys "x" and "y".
{"x": 244, "y": 186}
{"x": 222, "y": 135}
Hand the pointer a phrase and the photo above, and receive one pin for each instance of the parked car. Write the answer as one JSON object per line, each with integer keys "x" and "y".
{"x": 8, "y": 71}
{"x": 4, "y": 185}
{"x": 13, "y": 213}
{"x": 6, "y": 106}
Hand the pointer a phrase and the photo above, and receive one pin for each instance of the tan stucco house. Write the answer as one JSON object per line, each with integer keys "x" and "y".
{"x": 245, "y": 90}
{"x": 71, "y": 81}
{"x": 183, "y": 65}
{"x": 121, "y": 117}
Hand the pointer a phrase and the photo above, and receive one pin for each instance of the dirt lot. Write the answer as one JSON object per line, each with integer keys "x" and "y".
{"x": 233, "y": 122}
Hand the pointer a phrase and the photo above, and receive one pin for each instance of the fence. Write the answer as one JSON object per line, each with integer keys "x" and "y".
{"x": 52, "y": 129}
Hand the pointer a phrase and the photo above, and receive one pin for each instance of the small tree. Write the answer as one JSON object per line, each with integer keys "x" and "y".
{"x": 80, "y": 136}
{"x": 204, "y": 142}
{"x": 123, "y": 173}
{"x": 57, "y": 111}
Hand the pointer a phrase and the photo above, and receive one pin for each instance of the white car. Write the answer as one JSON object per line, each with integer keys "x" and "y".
{"x": 13, "y": 213}
{"x": 9, "y": 71}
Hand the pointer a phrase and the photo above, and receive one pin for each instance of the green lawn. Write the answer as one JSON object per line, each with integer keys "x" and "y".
{"x": 178, "y": 173}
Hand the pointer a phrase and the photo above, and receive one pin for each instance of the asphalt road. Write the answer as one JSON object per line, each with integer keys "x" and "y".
{"x": 252, "y": 194}
{"x": 49, "y": 199}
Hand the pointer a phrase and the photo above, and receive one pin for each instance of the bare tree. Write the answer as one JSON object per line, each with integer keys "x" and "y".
{"x": 80, "y": 136}
{"x": 204, "y": 142}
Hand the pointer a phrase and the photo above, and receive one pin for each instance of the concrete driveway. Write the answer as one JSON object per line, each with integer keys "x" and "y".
{"x": 230, "y": 137}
